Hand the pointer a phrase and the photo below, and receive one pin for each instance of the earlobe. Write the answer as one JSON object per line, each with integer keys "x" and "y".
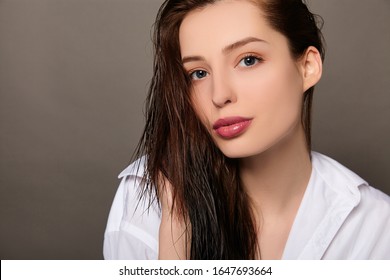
{"x": 311, "y": 68}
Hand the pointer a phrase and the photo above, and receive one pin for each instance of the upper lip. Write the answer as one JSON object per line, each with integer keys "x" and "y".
{"x": 229, "y": 121}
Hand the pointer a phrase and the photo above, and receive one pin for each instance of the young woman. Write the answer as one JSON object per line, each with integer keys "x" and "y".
{"x": 225, "y": 168}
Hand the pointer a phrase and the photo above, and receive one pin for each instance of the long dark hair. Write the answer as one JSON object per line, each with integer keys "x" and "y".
{"x": 207, "y": 192}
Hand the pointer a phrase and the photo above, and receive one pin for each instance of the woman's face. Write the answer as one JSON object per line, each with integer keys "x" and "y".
{"x": 247, "y": 89}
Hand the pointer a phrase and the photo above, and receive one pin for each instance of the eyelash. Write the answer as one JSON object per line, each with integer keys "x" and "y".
{"x": 192, "y": 73}
{"x": 257, "y": 58}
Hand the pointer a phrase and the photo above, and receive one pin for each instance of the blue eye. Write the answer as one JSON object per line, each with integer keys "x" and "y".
{"x": 249, "y": 61}
{"x": 198, "y": 74}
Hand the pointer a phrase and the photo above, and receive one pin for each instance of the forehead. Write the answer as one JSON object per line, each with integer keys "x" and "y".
{"x": 221, "y": 24}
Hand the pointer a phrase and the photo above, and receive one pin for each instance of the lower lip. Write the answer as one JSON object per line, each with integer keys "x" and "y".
{"x": 233, "y": 130}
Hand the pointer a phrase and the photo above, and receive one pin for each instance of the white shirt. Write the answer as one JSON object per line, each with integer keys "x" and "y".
{"x": 340, "y": 217}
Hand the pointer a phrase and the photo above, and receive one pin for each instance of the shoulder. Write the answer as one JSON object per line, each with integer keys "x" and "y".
{"x": 344, "y": 181}
{"x": 130, "y": 192}
{"x": 365, "y": 233}
{"x": 336, "y": 175}
{"x": 374, "y": 205}
{"x": 134, "y": 219}
{"x": 135, "y": 169}
{"x": 365, "y": 230}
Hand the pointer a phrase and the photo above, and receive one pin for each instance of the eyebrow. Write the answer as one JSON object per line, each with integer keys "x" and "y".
{"x": 227, "y": 49}
{"x": 192, "y": 58}
{"x": 241, "y": 43}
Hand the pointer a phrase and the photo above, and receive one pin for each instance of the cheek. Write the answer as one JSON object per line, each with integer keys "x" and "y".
{"x": 275, "y": 95}
{"x": 286, "y": 102}
{"x": 285, "y": 93}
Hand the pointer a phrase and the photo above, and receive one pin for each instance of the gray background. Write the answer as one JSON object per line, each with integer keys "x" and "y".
{"x": 73, "y": 79}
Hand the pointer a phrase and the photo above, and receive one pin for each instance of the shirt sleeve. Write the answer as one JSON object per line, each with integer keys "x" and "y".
{"x": 132, "y": 227}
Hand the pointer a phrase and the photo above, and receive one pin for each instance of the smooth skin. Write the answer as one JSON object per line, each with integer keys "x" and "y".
{"x": 240, "y": 66}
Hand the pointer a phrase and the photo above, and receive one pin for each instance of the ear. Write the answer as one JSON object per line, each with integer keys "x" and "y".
{"x": 311, "y": 67}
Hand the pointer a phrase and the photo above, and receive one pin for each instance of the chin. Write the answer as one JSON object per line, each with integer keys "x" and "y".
{"x": 239, "y": 152}
{"x": 245, "y": 148}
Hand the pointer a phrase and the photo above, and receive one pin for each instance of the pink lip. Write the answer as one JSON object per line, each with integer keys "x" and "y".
{"x": 231, "y": 127}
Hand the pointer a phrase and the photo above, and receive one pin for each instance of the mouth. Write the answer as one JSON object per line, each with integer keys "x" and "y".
{"x": 231, "y": 127}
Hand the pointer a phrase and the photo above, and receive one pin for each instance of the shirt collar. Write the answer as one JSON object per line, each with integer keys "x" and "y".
{"x": 137, "y": 168}
{"x": 332, "y": 193}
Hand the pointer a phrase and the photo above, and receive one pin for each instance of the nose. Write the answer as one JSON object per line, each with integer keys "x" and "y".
{"x": 223, "y": 93}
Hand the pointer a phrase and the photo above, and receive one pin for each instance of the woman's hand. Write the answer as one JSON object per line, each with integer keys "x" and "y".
{"x": 174, "y": 240}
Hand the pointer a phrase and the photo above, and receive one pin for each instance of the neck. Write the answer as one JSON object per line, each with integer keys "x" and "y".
{"x": 276, "y": 179}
